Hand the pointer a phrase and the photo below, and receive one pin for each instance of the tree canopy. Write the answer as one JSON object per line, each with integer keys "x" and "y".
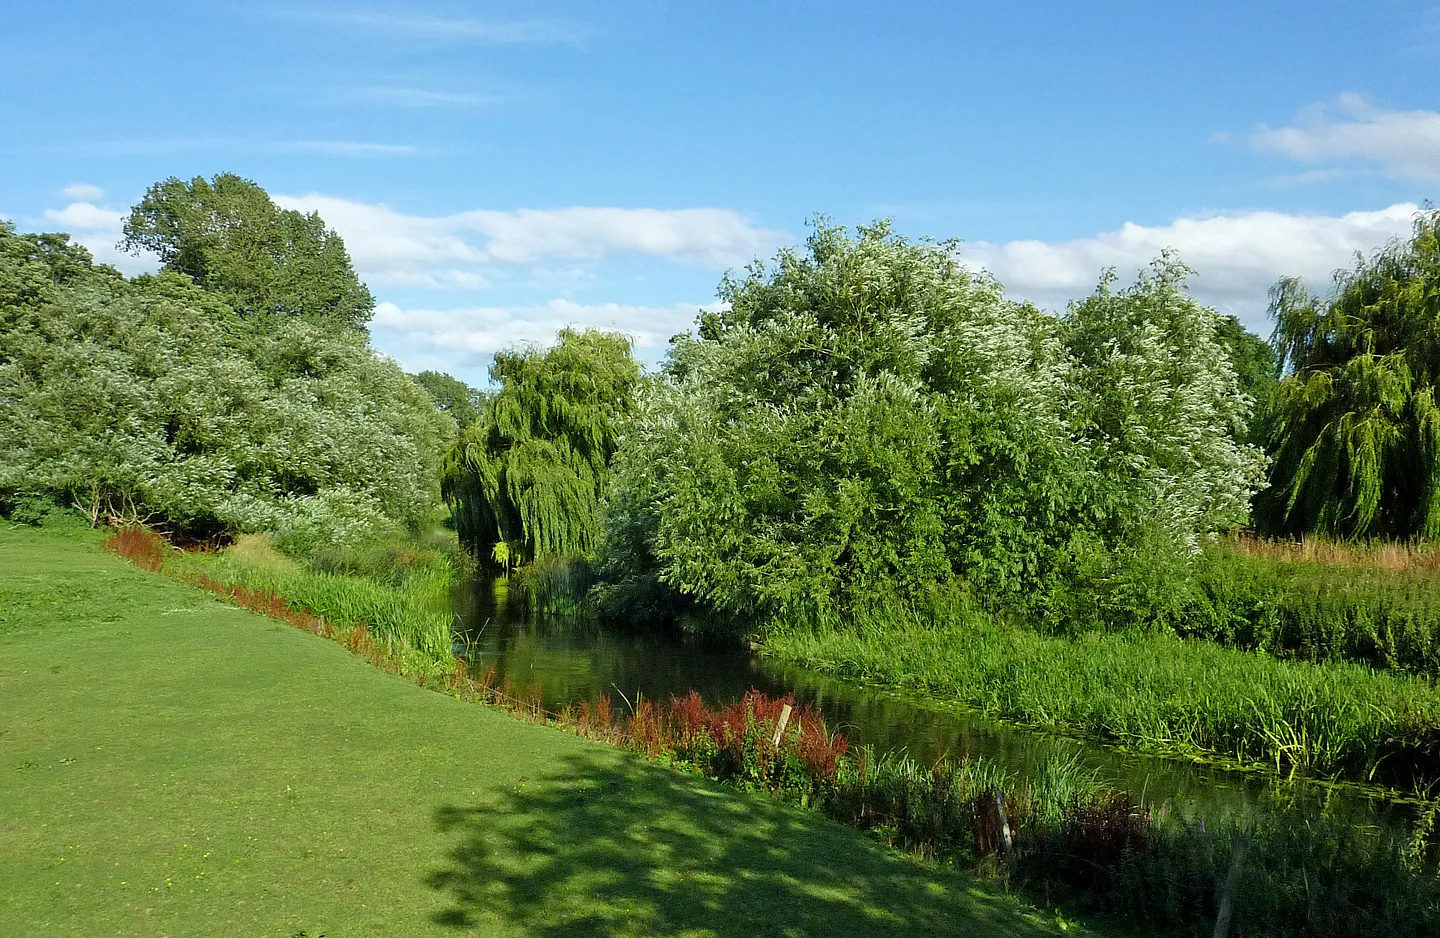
{"x": 150, "y": 399}
{"x": 527, "y": 478}
{"x": 452, "y": 396}
{"x": 234, "y": 241}
{"x": 1357, "y": 432}
{"x": 868, "y": 418}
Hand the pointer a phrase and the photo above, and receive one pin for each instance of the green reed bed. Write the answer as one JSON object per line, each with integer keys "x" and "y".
{"x": 1151, "y": 692}
{"x": 1376, "y": 606}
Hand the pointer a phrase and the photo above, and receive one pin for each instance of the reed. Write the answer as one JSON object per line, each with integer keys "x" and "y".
{"x": 1153, "y": 692}
{"x": 1378, "y": 604}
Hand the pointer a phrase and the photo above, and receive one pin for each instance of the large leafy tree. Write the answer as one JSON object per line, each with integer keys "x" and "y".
{"x": 868, "y": 419}
{"x": 233, "y": 240}
{"x": 1356, "y": 429}
{"x": 150, "y": 399}
{"x": 527, "y": 478}
{"x": 452, "y": 396}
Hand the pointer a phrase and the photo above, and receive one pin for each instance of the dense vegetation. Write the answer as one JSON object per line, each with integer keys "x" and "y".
{"x": 869, "y": 422}
{"x": 154, "y": 399}
{"x": 527, "y": 477}
{"x": 1357, "y": 431}
{"x": 867, "y": 457}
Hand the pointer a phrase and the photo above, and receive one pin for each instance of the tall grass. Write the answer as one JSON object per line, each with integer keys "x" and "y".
{"x": 1378, "y": 604}
{"x": 1152, "y": 692}
{"x": 405, "y": 605}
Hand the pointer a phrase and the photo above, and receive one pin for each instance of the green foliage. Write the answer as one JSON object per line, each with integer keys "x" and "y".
{"x": 149, "y": 399}
{"x": 532, "y": 470}
{"x": 1151, "y": 692}
{"x": 1357, "y": 432}
{"x": 1257, "y": 371}
{"x": 228, "y": 236}
{"x": 453, "y": 396}
{"x": 869, "y": 419}
{"x": 1315, "y": 611}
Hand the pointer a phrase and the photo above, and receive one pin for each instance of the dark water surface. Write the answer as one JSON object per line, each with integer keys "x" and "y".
{"x": 575, "y": 658}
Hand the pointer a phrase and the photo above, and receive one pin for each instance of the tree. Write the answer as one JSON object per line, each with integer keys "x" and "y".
{"x": 1159, "y": 400}
{"x": 1357, "y": 432}
{"x": 527, "y": 478}
{"x": 232, "y": 240}
{"x": 150, "y": 399}
{"x": 867, "y": 421}
{"x": 452, "y": 396}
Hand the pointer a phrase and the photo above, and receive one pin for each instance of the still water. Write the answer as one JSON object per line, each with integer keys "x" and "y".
{"x": 573, "y": 658}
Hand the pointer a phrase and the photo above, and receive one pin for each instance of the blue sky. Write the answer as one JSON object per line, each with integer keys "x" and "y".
{"x": 499, "y": 170}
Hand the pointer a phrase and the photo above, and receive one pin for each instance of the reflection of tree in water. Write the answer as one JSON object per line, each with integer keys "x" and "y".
{"x": 614, "y": 847}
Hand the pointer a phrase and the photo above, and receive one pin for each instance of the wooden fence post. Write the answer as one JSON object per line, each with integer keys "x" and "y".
{"x": 1004, "y": 819}
{"x": 780, "y": 726}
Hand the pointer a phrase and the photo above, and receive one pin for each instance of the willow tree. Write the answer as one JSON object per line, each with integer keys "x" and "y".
{"x": 526, "y": 479}
{"x": 1356, "y": 429}
{"x": 867, "y": 421}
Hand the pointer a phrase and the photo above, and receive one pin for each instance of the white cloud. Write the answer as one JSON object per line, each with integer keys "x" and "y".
{"x": 396, "y": 249}
{"x": 99, "y": 229}
{"x": 83, "y": 192}
{"x": 1236, "y": 257}
{"x": 465, "y": 339}
{"x": 1404, "y": 143}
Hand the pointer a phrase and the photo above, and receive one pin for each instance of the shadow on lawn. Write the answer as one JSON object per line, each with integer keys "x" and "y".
{"x": 623, "y": 849}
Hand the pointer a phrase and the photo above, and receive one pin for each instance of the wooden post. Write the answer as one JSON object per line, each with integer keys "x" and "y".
{"x": 1227, "y": 890}
{"x": 1004, "y": 819}
{"x": 780, "y": 726}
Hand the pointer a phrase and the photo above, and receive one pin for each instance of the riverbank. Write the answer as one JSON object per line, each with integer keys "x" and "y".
{"x": 1154, "y": 693}
{"x": 178, "y": 765}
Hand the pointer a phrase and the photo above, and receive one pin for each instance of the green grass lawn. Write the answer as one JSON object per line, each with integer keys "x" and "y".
{"x": 171, "y": 766}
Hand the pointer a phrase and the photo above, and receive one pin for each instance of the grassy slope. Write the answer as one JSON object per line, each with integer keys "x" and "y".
{"x": 173, "y": 766}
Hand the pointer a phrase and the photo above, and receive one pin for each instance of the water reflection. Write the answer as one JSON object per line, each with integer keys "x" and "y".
{"x": 570, "y": 659}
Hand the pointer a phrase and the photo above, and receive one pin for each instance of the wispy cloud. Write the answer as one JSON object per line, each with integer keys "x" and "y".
{"x": 83, "y": 192}
{"x": 464, "y": 249}
{"x": 1404, "y": 144}
{"x": 408, "y": 97}
{"x": 341, "y": 148}
{"x": 464, "y": 29}
{"x": 161, "y": 146}
{"x": 1236, "y": 257}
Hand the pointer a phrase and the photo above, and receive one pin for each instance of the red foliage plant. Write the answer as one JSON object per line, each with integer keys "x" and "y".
{"x": 142, "y": 547}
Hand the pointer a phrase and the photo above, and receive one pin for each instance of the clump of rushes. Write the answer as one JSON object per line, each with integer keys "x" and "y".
{"x": 1153, "y": 692}
{"x": 1377, "y": 604}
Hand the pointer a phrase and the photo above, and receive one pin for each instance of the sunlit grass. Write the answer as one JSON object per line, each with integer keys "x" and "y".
{"x": 173, "y": 765}
{"x": 1152, "y": 692}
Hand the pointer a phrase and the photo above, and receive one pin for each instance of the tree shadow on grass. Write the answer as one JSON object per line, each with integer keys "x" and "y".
{"x": 608, "y": 847}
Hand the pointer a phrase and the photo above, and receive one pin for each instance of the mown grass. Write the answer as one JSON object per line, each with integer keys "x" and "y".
{"x": 1152, "y": 692}
{"x": 173, "y": 765}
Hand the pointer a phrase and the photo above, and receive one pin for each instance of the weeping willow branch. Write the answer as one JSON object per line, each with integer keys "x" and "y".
{"x": 1357, "y": 433}
{"x": 530, "y": 473}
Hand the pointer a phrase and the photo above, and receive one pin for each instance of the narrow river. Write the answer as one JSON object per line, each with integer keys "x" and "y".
{"x": 570, "y": 659}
